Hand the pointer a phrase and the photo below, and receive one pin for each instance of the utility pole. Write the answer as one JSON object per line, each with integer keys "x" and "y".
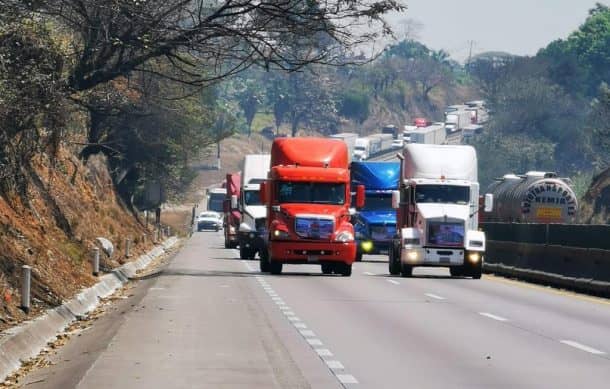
{"x": 469, "y": 53}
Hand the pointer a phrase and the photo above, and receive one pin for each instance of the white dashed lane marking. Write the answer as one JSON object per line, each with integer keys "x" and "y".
{"x": 368, "y": 273}
{"x": 308, "y": 335}
{"x": 582, "y": 347}
{"x": 491, "y": 316}
{"x": 434, "y": 296}
{"x": 394, "y": 282}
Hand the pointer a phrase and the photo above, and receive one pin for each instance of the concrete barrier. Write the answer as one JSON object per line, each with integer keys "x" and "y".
{"x": 28, "y": 339}
{"x": 582, "y": 269}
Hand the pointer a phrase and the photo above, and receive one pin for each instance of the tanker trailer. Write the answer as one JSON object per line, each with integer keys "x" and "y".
{"x": 535, "y": 197}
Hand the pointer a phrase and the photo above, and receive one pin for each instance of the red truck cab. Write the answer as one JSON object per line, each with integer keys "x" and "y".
{"x": 232, "y": 216}
{"x": 308, "y": 197}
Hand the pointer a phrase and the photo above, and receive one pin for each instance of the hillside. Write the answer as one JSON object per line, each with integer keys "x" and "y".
{"x": 68, "y": 206}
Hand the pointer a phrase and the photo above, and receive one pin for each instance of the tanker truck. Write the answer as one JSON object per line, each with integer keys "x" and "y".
{"x": 307, "y": 195}
{"x": 437, "y": 205}
{"x": 535, "y": 197}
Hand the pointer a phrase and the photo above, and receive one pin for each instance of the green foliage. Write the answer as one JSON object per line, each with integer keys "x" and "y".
{"x": 599, "y": 121}
{"x": 354, "y": 104}
{"x": 501, "y": 154}
{"x": 32, "y": 98}
{"x": 582, "y": 61}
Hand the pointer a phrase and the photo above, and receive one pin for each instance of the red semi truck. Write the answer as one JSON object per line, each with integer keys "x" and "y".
{"x": 232, "y": 215}
{"x": 308, "y": 197}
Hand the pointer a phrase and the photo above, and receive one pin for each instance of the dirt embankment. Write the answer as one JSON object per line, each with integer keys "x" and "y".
{"x": 54, "y": 229}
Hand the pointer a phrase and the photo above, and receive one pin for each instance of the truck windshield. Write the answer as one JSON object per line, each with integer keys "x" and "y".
{"x": 311, "y": 192}
{"x": 215, "y": 202}
{"x": 448, "y": 194}
{"x": 361, "y": 148}
{"x": 251, "y": 197}
{"x": 378, "y": 202}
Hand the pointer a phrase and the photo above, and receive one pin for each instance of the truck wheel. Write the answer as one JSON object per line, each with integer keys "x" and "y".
{"x": 327, "y": 268}
{"x": 264, "y": 261}
{"x": 406, "y": 270}
{"x": 476, "y": 271}
{"x": 393, "y": 263}
{"x": 344, "y": 269}
{"x": 244, "y": 253}
{"x": 275, "y": 267}
{"x": 358, "y": 256}
{"x": 456, "y": 271}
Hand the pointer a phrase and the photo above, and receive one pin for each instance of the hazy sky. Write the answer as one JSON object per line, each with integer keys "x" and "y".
{"x": 516, "y": 26}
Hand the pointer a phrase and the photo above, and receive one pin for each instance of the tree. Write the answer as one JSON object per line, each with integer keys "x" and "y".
{"x": 249, "y": 101}
{"x": 207, "y": 41}
{"x": 599, "y": 120}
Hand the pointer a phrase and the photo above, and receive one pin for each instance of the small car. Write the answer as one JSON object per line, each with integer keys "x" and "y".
{"x": 209, "y": 220}
{"x": 398, "y": 143}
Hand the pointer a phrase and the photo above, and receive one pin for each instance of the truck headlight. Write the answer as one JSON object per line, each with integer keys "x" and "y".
{"x": 344, "y": 236}
{"x": 474, "y": 257}
{"x": 280, "y": 234}
{"x": 412, "y": 256}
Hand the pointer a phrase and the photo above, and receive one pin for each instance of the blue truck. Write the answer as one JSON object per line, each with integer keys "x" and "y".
{"x": 375, "y": 224}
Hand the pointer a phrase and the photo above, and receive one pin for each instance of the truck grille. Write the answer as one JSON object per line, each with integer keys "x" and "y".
{"x": 313, "y": 227}
{"x": 449, "y": 234}
{"x": 383, "y": 232}
{"x": 260, "y": 225}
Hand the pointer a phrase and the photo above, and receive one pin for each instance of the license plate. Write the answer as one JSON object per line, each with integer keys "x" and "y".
{"x": 444, "y": 260}
{"x": 312, "y": 258}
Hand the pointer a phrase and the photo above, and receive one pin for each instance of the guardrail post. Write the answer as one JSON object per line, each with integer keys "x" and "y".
{"x": 25, "y": 287}
{"x": 169, "y": 231}
{"x": 127, "y": 247}
{"x": 95, "y": 261}
{"x": 143, "y": 238}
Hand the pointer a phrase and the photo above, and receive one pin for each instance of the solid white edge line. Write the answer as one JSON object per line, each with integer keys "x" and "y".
{"x": 393, "y": 282}
{"x": 434, "y": 296}
{"x": 582, "y": 347}
{"x": 492, "y": 316}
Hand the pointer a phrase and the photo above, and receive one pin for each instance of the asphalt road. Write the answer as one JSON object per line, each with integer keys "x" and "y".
{"x": 211, "y": 320}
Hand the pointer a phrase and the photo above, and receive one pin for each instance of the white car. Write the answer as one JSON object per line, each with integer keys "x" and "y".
{"x": 209, "y": 220}
{"x": 398, "y": 143}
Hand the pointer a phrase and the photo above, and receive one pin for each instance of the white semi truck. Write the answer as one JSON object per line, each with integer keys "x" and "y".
{"x": 253, "y": 212}
{"x": 437, "y": 204}
{"x": 456, "y": 120}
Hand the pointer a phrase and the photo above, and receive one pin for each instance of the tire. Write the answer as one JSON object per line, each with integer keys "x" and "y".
{"x": 406, "y": 270}
{"x": 393, "y": 263}
{"x": 327, "y": 268}
{"x": 358, "y": 256}
{"x": 275, "y": 267}
{"x": 476, "y": 271}
{"x": 344, "y": 269}
{"x": 456, "y": 271}
{"x": 244, "y": 252}
{"x": 264, "y": 261}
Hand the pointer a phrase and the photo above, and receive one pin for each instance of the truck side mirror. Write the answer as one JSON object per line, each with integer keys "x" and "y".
{"x": 395, "y": 199}
{"x": 233, "y": 202}
{"x": 262, "y": 192}
{"x": 489, "y": 202}
{"x": 359, "y": 196}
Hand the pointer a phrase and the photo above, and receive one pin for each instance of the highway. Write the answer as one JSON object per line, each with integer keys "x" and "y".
{"x": 210, "y": 320}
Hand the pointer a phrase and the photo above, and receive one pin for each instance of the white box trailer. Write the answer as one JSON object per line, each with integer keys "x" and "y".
{"x": 433, "y": 134}
{"x": 456, "y": 120}
{"x": 385, "y": 141}
{"x": 350, "y": 140}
